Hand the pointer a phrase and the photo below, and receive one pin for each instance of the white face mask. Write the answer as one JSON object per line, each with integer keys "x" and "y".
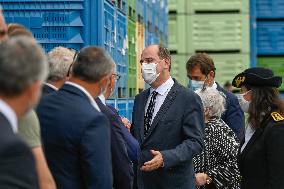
{"x": 243, "y": 102}
{"x": 149, "y": 72}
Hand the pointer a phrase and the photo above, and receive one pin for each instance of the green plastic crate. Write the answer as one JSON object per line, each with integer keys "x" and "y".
{"x": 132, "y": 67}
{"x": 195, "y": 6}
{"x": 276, "y": 64}
{"x": 177, "y": 38}
{"x": 132, "y": 13}
{"x": 229, "y": 65}
{"x": 217, "y": 32}
{"x": 208, "y": 32}
{"x": 178, "y": 68}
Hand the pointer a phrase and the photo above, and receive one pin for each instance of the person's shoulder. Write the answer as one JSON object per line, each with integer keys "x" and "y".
{"x": 276, "y": 119}
{"x": 229, "y": 95}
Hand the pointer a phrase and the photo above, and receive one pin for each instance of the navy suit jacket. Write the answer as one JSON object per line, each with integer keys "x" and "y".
{"x": 17, "y": 167}
{"x": 76, "y": 140}
{"x": 46, "y": 90}
{"x": 233, "y": 116}
{"x": 133, "y": 148}
{"x": 121, "y": 164}
{"x": 177, "y": 131}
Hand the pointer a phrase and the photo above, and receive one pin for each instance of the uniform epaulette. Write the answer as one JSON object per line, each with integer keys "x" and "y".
{"x": 277, "y": 117}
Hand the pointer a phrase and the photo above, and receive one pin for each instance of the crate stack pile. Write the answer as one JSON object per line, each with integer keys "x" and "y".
{"x": 116, "y": 25}
{"x": 217, "y": 27}
{"x": 269, "y": 34}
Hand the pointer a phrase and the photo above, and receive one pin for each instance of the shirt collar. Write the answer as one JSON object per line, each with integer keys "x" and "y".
{"x": 92, "y": 101}
{"x": 51, "y": 86}
{"x": 103, "y": 99}
{"x": 162, "y": 90}
{"x": 10, "y": 114}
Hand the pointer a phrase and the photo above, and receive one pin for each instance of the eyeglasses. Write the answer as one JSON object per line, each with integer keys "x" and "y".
{"x": 74, "y": 58}
{"x": 117, "y": 77}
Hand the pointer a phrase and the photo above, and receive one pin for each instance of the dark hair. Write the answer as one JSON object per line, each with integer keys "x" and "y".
{"x": 203, "y": 60}
{"x": 92, "y": 64}
{"x": 164, "y": 53}
{"x": 264, "y": 100}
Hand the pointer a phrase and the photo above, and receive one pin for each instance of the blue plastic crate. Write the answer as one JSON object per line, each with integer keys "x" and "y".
{"x": 106, "y": 38}
{"x": 53, "y": 23}
{"x": 140, "y": 7}
{"x": 130, "y": 109}
{"x": 70, "y": 23}
{"x": 270, "y": 8}
{"x": 122, "y": 107}
{"x": 253, "y": 46}
{"x": 270, "y": 37}
{"x": 111, "y": 102}
{"x": 121, "y": 54}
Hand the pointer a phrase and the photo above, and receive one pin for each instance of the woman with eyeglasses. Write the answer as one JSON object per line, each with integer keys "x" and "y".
{"x": 261, "y": 155}
{"x": 216, "y": 167}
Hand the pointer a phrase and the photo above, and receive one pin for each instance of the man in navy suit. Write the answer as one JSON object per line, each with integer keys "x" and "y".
{"x": 201, "y": 71}
{"x": 168, "y": 123}
{"x": 76, "y": 135}
{"x": 121, "y": 140}
{"x": 22, "y": 70}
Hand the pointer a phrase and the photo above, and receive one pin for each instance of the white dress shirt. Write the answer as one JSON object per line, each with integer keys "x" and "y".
{"x": 162, "y": 91}
{"x": 248, "y": 134}
{"x": 103, "y": 99}
{"x": 92, "y": 101}
{"x": 10, "y": 114}
{"x": 51, "y": 86}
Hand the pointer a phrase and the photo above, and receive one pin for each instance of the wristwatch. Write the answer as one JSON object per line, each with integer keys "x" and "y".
{"x": 208, "y": 180}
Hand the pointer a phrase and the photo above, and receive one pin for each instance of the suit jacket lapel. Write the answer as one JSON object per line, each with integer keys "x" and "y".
{"x": 142, "y": 109}
{"x": 165, "y": 106}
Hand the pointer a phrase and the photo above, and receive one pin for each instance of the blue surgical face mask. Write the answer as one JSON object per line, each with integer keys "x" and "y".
{"x": 195, "y": 85}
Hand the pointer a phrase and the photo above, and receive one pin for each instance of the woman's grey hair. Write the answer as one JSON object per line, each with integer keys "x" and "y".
{"x": 92, "y": 64}
{"x": 22, "y": 62}
{"x": 59, "y": 60}
{"x": 214, "y": 100}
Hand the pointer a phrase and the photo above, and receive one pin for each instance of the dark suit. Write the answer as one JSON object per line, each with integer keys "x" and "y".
{"x": 17, "y": 167}
{"x": 121, "y": 164}
{"x": 133, "y": 148}
{"x": 177, "y": 131}
{"x": 262, "y": 160}
{"x": 76, "y": 140}
{"x": 46, "y": 90}
{"x": 233, "y": 116}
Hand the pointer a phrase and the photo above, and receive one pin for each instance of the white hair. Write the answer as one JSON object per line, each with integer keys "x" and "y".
{"x": 59, "y": 59}
{"x": 214, "y": 100}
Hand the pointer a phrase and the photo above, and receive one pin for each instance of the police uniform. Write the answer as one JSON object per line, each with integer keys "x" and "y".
{"x": 261, "y": 162}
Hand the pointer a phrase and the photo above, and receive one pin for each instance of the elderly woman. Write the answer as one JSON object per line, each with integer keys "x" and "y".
{"x": 216, "y": 166}
{"x": 262, "y": 150}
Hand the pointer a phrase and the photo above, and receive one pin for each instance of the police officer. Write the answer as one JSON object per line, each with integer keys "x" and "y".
{"x": 261, "y": 155}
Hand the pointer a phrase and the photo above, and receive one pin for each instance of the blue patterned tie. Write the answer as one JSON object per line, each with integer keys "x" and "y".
{"x": 149, "y": 114}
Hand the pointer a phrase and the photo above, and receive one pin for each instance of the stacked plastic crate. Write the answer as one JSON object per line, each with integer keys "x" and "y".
{"x": 116, "y": 25}
{"x": 217, "y": 27}
{"x": 270, "y": 35}
{"x": 155, "y": 20}
{"x": 140, "y": 42}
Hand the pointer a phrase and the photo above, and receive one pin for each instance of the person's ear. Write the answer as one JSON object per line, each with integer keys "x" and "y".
{"x": 167, "y": 63}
